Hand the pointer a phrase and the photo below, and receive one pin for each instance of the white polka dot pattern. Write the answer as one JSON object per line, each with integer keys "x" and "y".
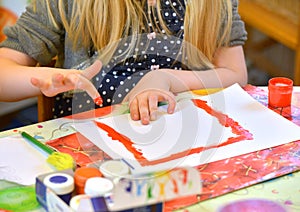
{"x": 117, "y": 78}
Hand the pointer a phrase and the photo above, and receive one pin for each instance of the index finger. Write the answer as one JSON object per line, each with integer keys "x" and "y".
{"x": 82, "y": 83}
{"x": 92, "y": 70}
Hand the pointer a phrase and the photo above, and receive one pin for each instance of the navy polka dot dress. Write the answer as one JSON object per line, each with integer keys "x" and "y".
{"x": 122, "y": 73}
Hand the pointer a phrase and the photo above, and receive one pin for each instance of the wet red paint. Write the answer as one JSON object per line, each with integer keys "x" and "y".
{"x": 175, "y": 186}
{"x": 185, "y": 177}
{"x": 242, "y": 134}
{"x": 123, "y": 139}
{"x": 98, "y": 100}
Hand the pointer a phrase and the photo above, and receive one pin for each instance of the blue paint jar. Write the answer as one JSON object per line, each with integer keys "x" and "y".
{"x": 61, "y": 184}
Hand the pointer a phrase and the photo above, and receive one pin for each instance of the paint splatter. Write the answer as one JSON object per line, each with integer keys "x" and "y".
{"x": 288, "y": 202}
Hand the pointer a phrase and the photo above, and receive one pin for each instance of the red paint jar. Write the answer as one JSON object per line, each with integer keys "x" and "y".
{"x": 280, "y": 92}
{"x": 82, "y": 174}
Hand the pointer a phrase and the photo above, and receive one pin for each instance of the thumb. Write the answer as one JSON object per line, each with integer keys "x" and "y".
{"x": 94, "y": 69}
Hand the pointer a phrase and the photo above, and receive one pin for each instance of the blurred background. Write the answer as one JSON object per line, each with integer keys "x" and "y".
{"x": 17, "y": 113}
{"x": 272, "y": 49}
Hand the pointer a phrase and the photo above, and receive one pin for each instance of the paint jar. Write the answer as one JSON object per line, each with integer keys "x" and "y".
{"x": 100, "y": 190}
{"x": 280, "y": 92}
{"x": 98, "y": 186}
{"x": 82, "y": 174}
{"x": 114, "y": 169}
{"x": 61, "y": 184}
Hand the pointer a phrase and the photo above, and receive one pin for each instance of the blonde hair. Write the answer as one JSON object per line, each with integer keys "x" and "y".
{"x": 102, "y": 23}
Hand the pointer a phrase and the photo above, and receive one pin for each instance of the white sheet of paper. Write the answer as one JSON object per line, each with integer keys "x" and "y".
{"x": 20, "y": 162}
{"x": 191, "y": 127}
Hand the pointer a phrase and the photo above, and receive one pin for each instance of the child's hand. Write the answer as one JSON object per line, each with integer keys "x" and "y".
{"x": 144, "y": 97}
{"x": 68, "y": 80}
{"x": 145, "y": 104}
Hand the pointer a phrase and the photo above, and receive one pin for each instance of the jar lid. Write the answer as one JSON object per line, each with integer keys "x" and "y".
{"x": 60, "y": 183}
{"x": 281, "y": 83}
{"x": 98, "y": 186}
{"x": 83, "y": 173}
{"x": 114, "y": 168}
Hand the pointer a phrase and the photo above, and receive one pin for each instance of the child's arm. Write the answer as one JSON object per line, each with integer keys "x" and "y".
{"x": 159, "y": 85}
{"x": 20, "y": 78}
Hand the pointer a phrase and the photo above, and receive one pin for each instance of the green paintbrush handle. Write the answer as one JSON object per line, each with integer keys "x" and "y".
{"x": 41, "y": 145}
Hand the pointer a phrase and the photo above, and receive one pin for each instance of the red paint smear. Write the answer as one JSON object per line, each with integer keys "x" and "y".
{"x": 175, "y": 189}
{"x": 123, "y": 139}
{"x": 222, "y": 118}
{"x": 185, "y": 173}
{"x": 98, "y": 100}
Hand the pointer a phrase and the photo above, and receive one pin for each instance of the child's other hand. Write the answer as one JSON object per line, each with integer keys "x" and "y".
{"x": 67, "y": 80}
{"x": 144, "y": 97}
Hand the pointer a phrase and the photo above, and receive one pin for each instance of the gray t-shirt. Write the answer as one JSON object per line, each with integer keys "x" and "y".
{"x": 34, "y": 35}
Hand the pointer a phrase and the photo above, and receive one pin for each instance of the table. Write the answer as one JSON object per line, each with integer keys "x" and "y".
{"x": 284, "y": 190}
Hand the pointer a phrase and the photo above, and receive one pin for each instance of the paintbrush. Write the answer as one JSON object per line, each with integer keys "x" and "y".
{"x": 57, "y": 159}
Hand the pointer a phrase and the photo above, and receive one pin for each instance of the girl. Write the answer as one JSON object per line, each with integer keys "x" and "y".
{"x": 136, "y": 51}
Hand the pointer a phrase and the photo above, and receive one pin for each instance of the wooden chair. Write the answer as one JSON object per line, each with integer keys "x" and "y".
{"x": 44, "y": 107}
{"x": 279, "y": 20}
{"x": 44, "y": 103}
